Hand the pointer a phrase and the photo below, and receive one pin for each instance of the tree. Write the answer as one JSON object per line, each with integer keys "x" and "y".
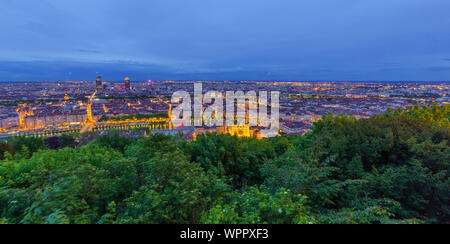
{"x": 58, "y": 142}
{"x": 69, "y": 185}
{"x": 258, "y": 206}
{"x": 33, "y": 144}
{"x": 237, "y": 159}
{"x": 402, "y": 155}
{"x": 173, "y": 190}
{"x": 5, "y": 147}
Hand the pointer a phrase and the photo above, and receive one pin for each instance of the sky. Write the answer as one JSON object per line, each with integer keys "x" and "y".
{"x": 298, "y": 40}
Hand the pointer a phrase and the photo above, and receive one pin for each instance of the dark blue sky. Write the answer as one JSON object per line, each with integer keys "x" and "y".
{"x": 225, "y": 39}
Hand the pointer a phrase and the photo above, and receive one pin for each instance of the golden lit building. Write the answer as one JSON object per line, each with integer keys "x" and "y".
{"x": 240, "y": 131}
{"x": 127, "y": 84}
{"x": 65, "y": 95}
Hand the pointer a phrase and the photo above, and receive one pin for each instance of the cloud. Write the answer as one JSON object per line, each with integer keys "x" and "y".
{"x": 439, "y": 68}
{"x": 230, "y": 39}
{"x": 87, "y": 51}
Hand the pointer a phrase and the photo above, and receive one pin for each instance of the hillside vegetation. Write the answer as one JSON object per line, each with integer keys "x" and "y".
{"x": 392, "y": 168}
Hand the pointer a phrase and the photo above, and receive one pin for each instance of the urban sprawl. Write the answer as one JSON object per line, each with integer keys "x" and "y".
{"x": 140, "y": 108}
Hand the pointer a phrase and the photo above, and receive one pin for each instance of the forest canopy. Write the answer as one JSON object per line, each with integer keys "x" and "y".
{"x": 391, "y": 168}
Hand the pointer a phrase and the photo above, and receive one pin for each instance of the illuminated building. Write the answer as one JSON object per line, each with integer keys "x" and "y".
{"x": 127, "y": 84}
{"x": 23, "y": 113}
{"x": 65, "y": 95}
{"x": 240, "y": 131}
{"x": 98, "y": 82}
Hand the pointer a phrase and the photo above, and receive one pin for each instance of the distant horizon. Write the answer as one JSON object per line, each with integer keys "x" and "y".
{"x": 288, "y": 81}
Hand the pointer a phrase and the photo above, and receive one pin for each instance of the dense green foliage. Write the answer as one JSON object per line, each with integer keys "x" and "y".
{"x": 58, "y": 142}
{"x": 26, "y": 146}
{"x": 387, "y": 169}
{"x": 5, "y": 148}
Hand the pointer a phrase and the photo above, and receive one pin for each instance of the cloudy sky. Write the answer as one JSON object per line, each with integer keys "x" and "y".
{"x": 225, "y": 39}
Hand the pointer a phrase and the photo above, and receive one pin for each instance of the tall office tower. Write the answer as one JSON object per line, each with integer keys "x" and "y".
{"x": 65, "y": 95}
{"x": 98, "y": 82}
{"x": 127, "y": 84}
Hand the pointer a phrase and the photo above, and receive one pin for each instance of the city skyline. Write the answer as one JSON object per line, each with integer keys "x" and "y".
{"x": 238, "y": 113}
{"x": 276, "y": 40}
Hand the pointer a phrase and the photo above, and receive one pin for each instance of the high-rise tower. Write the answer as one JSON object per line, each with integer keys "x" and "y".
{"x": 98, "y": 82}
{"x": 127, "y": 84}
{"x": 65, "y": 95}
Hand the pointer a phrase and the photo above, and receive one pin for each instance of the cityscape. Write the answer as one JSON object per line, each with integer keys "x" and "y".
{"x": 225, "y": 120}
{"x": 52, "y": 108}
